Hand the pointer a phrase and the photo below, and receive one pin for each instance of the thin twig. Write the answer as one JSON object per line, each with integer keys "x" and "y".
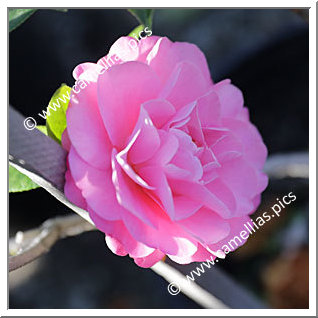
{"x": 29, "y": 245}
{"x": 287, "y": 165}
{"x": 190, "y": 289}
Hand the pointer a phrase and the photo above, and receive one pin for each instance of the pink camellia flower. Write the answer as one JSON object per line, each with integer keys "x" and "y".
{"x": 165, "y": 161}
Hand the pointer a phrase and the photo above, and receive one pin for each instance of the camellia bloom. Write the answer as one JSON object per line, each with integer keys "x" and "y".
{"x": 165, "y": 161}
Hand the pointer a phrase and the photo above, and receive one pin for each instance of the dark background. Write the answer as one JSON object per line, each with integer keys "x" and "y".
{"x": 265, "y": 53}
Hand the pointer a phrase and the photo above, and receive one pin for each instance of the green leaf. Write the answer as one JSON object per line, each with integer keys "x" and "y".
{"x": 144, "y": 16}
{"x": 56, "y": 112}
{"x": 18, "y": 16}
{"x": 136, "y": 30}
{"x": 19, "y": 182}
{"x": 42, "y": 129}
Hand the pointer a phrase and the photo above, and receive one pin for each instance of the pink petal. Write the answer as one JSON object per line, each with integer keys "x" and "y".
{"x": 174, "y": 172}
{"x": 225, "y": 145}
{"x": 243, "y": 115}
{"x": 222, "y": 191}
{"x": 207, "y": 157}
{"x": 115, "y": 246}
{"x": 185, "y": 141}
{"x": 129, "y": 49}
{"x": 96, "y": 187}
{"x": 199, "y": 193}
{"x": 176, "y": 241}
{"x": 213, "y": 135}
{"x": 185, "y": 84}
{"x": 106, "y": 62}
{"x": 145, "y": 46}
{"x": 121, "y": 91}
{"x": 230, "y": 97}
{"x": 72, "y": 192}
{"x": 147, "y": 142}
{"x": 168, "y": 147}
{"x": 159, "y": 110}
{"x": 65, "y": 140}
{"x": 254, "y": 148}
{"x": 201, "y": 255}
{"x": 206, "y": 226}
{"x": 184, "y": 207}
{"x": 87, "y": 71}
{"x": 262, "y": 181}
{"x": 209, "y": 109}
{"x": 232, "y": 173}
{"x": 126, "y": 48}
{"x": 186, "y": 161}
{"x": 86, "y": 130}
{"x": 236, "y": 226}
{"x": 238, "y": 170}
{"x": 165, "y": 55}
{"x": 118, "y": 239}
{"x": 132, "y": 197}
{"x": 150, "y": 260}
{"x": 181, "y": 117}
{"x": 194, "y": 128}
{"x": 156, "y": 177}
{"x": 122, "y": 161}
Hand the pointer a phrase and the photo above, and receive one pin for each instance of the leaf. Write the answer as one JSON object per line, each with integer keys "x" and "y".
{"x": 144, "y": 16}
{"x": 136, "y": 30}
{"x": 18, "y": 16}
{"x": 19, "y": 182}
{"x": 42, "y": 129}
{"x": 56, "y": 112}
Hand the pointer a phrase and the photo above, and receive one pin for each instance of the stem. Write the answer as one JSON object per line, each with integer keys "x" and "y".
{"x": 29, "y": 245}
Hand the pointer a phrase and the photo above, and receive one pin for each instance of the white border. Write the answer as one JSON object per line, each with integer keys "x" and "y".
{"x": 312, "y": 164}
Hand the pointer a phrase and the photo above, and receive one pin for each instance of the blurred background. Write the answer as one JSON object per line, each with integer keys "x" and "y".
{"x": 265, "y": 53}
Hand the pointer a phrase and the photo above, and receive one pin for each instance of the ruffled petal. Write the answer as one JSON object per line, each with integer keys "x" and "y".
{"x": 230, "y": 97}
{"x": 85, "y": 128}
{"x": 87, "y": 72}
{"x": 118, "y": 239}
{"x": 162, "y": 192}
{"x": 234, "y": 239}
{"x": 168, "y": 147}
{"x": 121, "y": 91}
{"x": 159, "y": 110}
{"x": 199, "y": 193}
{"x": 185, "y": 84}
{"x": 65, "y": 140}
{"x": 166, "y": 54}
{"x": 132, "y": 197}
{"x": 147, "y": 142}
{"x": 254, "y": 149}
{"x": 150, "y": 260}
{"x": 201, "y": 255}
{"x": 96, "y": 187}
{"x": 209, "y": 109}
{"x": 176, "y": 241}
{"x": 206, "y": 226}
{"x": 72, "y": 192}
